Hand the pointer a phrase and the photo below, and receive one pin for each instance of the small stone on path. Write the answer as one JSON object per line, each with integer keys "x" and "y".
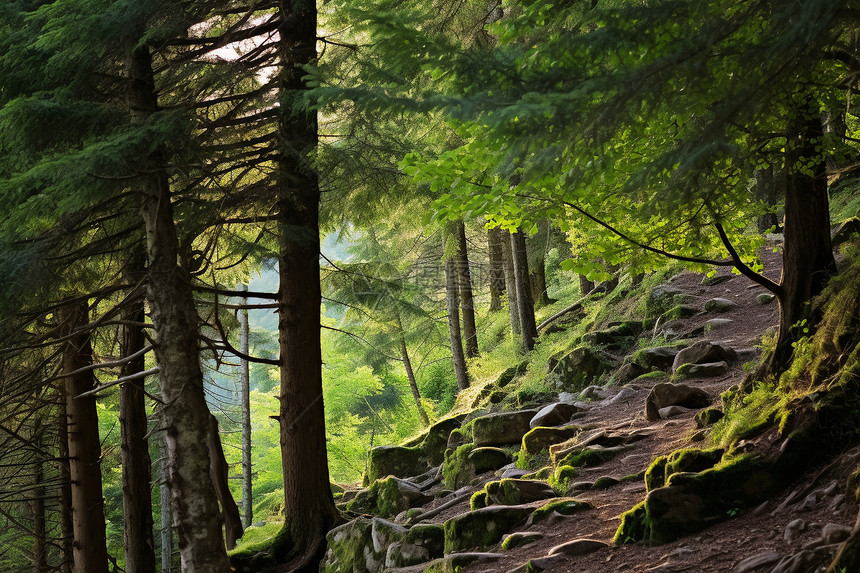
{"x": 577, "y": 547}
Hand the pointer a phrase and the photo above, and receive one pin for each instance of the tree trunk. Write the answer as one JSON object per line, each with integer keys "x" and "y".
{"x": 497, "y": 267}
{"x": 585, "y": 285}
{"x": 87, "y": 503}
{"x": 525, "y": 304}
{"x": 136, "y": 463}
{"x": 37, "y": 507}
{"x": 67, "y": 533}
{"x": 807, "y": 260}
{"x": 467, "y": 302}
{"x": 166, "y": 515}
{"x": 410, "y": 375}
{"x": 537, "y": 249}
{"x": 219, "y": 471}
{"x": 184, "y": 414}
{"x": 308, "y": 502}
{"x": 510, "y": 283}
{"x": 245, "y": 383}
{"x": 452, "y": 303}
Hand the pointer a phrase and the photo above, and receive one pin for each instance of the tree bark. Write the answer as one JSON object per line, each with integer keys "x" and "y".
{"x": 585, "y": 285}
{"x": 136, "y": 463}
{"x": 452, "y": 304}
{"x": 184, "y": 414}
{"x": 525, "y": 304}
{"x": 537, "y": 250}
{"x": 166, "y": 515}
{"x": 807, "y": 260}
{"x": 467, "y": 302}
{"x": 67, "y": 534}
{"x": 37, "y": 507}
{"x": 245, "y": 383}
{"x": 88, "y": 521}
{"x": 308, "y": 502}
{"x": 497, "y": 267}
{"x": 410, "y": 375}
{"x": 510, "y": 283}
{"x": 219, "y": 471}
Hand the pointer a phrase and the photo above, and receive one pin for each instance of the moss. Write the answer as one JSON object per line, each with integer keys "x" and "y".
{"x": 655, "y": 375}
{"x": 541, "y": 438}
{"x": 457, "y": 469}
{"x": 520, "y": 539}
{"x": 564, "y": 506}
{"x": 633, "y": 526}
{"x": 708, "y": 417}
{"x": 541, "y": 474}
{"x": 263, "y": 556}
{"x": 503, "y": 492}
{"x": 527, "y": 461}
{"x": 562, "y": 477}
{"x": 588, "y": 457}
{"x": 482, "y": 527}
{"x": 655, "y": 475}
{"x": 605, "y": 482}
{"x": 685, "y": 460}
{"x": 271, "y": 506}
{"x": 479, "y": 499}
{"x": 680, "y": 311}
{"x": 398, "y": 461}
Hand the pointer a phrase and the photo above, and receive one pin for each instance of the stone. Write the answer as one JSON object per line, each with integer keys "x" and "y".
{"x": 383, "y": 533}
{"x": 553, "y": 415}
{"x": 540, "y": 439}
{"x": 398, "y": 461}
{"x": 657, "y": 358}
{"x": 605, "y": 482}
{"x": 539, "y": 564}
{"x": 848, "y": 228}
{"x": 627, "y": 372}
{"x": 483, "y": 527}
{"x": 794, "y": 528}
{"x": 708, "y": 370}
{"x": 435, "y": 442}
{"x": 680, "y": 311}
{"x": 486, "y": 459}
{"x": 667, "y": 394}
{"x": 519, "y": 539}
{"x": 350, "y": 550}
{"x": 716, "y": 279}
{"x": 662, "y": 298}
{"x": 834, "y": 533}
{"x": 578, "y": 367}
{"x": 615, "y": 337}
{"x": 624, "y": 395}
{"x": 720, "y": 305}
{"x": 765, "y": 298}
{"x": 756, "y": 561}
{"x": 388, "y": 497}
{"x": 672, "y": 411}
{"x": 419, "y": 544}
{"x": 715, "y": 323}
{"x": 592, "y": 393}
{"x": 455, "y": 562}
{"x": 703, "y": 352}
{"x": 518, "y": 491}
{"x": 709, "y": 417}
{"x": 577, "y": 547}
{"x": 514, "y": 473}
{"x": 501, "y": 428}
{"x": 580, "y": 486}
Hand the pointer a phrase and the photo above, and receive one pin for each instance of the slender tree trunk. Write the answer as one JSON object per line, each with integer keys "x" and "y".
{"x": 807, "y": 260}
{"x": 497, "y": 267}
{"x": 136, "y": 463}
{"x": 452, "y": 303}
{"x": 245, "y": 383}
{"x": 184, "y": 414}
{"x": 537, "y": 250}
{"x": 467, "y": 302}
{"x": 88, "y": 519}
{"x": 510, "y": 283}
{"x": 37, "y": 507}
{"x": 525, "y": 304}
{"x": 410, "y": 375}
{"x": 67, "y": 533}
{"x": 308, "y": 502}
{"x": 166, "y": 515}
{"x": 219, "y": 471}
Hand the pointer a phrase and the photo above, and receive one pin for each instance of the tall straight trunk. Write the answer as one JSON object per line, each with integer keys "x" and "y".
{"x": 88, "y": 519}
{"x": 136, "y": 463}
{"x": 413, "y": 385}
{"x": 308, "y": 503}
{"x": 497, "y": 267}
{"x": 467, "y": 301}
{"x": 525, "y": 304}
{"x": 219, "y": 472}
{"x": 807, "y": 260}
{"x": 510, "y": 283}
{"x": 37, "y": 507}
{"x": 452, "y": 304}
{"x": 245, "y": 383}
{"x": 67, "y": 534}
{"x": 184, "y": 414}
{"x": 166, "y": 515}
{"x": 537, "y": 249}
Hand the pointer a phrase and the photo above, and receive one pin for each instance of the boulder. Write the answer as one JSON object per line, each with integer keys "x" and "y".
{"x": 578, "y": 368}
{"x": 672, "y": 411}
{"x": 703, "y": 352}
{"x": 667, "y": 394}
{"x": 720, "y": 305}
{"x": 662, "y": 298}
{"x": 709, "y": 417}
{"x": 419, "y": 544}
{"x": 708, "y": 370}
{"x": 399, "y": 461}
{"x": 350, "y": 549}
{"x": 617, "y": 336}
{"x": 715, "y": 323}
{"x": 501, "y": 428}
{"x": 627, "y": 372}
{"x": 540, "y": 439}
{"x": 458, "y": 561}
{"x": 593, "y": 393}
{"x": 518, "y": 491}
{"x": 388, "y": 497}
{"x": 657, "y": 358}
{"x": 483, "y": 527}
{"x": 553, "y": 415}
{"x": 486, "y": 459}
{"x": 716, "y": 279}
{"x": 681, "y": 311}
{"x": 436, "y": 441}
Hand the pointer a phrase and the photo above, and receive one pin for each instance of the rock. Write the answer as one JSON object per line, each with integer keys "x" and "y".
{"x": 436, "y": 441}
{"x": 627, "y": 372}
{"x": 708, "y": 370}
{"x": 593, "y": 393}
{"x": 566, "y": 397}
{"x": 799, "y": 563}
{"x": 578, "y": 367}
{"x": 834, "y": 533}
{"x": 577, "y": 547}
{"x": 486, "y": 459}
{"x": 514, "y": 473}
{"x": 672, "y": 411}
{"x": 388, "y": 497}
{"x": 553, "y": 415}
{"x": 501, "y": 428}
{"x": 720, "y": 305}
{"x": 508, "y": 375}
{"x": 673, "y": 504}
{"x": 350, "y": 549}
{"x": 666, "y": 394}
{"x": 518, "y": 491}
{"x": 662, "y": 298}
{"x": 715, "y": 323}
{"x": 616, "y": 336}
{"x": 483, "y": 527}
{"x": 794, "y": 528}
{"x": 419, "y": 544}
{"x": 765, "y": 298}
{"x": 703, "y": 352}
{"x": 456, "y": 562}
{"x": 540, "y": 439}
{"x": 756, "y": 561}
{"x": 383, "y": 533}
{"x": 846, "y": 229}
{"x": 605, "y": 482}
{"x": 709, "y": 417}
{"x": 657, "y": 358}
{"x": 680, "y": 311}
{"x": 398, "y": 461}
{"x": 624, "y": 395}
{"x": 580, "y": 486}
{"x": 716, "y": 279}
{"x": 519, "y": 539}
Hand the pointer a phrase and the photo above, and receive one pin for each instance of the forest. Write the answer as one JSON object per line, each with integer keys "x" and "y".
{"x": 249, "y": 248}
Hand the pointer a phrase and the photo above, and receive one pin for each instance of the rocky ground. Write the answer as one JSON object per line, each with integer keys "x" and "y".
{"x": 797, "y": 530}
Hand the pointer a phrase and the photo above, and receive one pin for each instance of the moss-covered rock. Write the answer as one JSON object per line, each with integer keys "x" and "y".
{"x": 562, "y": 477}
{"x": 487, "y": 459}
{"x": 680, "y": 311}
{"x": 518, "y": 491}
{"x": 398, "y": 461}
{"x": 483, "y": 527}
{"x": 387, "y": 497}
{"x": 457, "y": 469}
{"x": 520, "y": 539}
{"x": 709, "y": 417}
{"x": 501, "y": 428}
{"x": 420, "y": 544}
{"x": 435, "y": 442}
{"x": 686, "y": 460}
{"x": 563, "y": 506}
{"x": 541, "y": 438}
{"x": 347, "y": 546}
{"x": 553, "y": 414}
{"x": 578, "y": 368}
